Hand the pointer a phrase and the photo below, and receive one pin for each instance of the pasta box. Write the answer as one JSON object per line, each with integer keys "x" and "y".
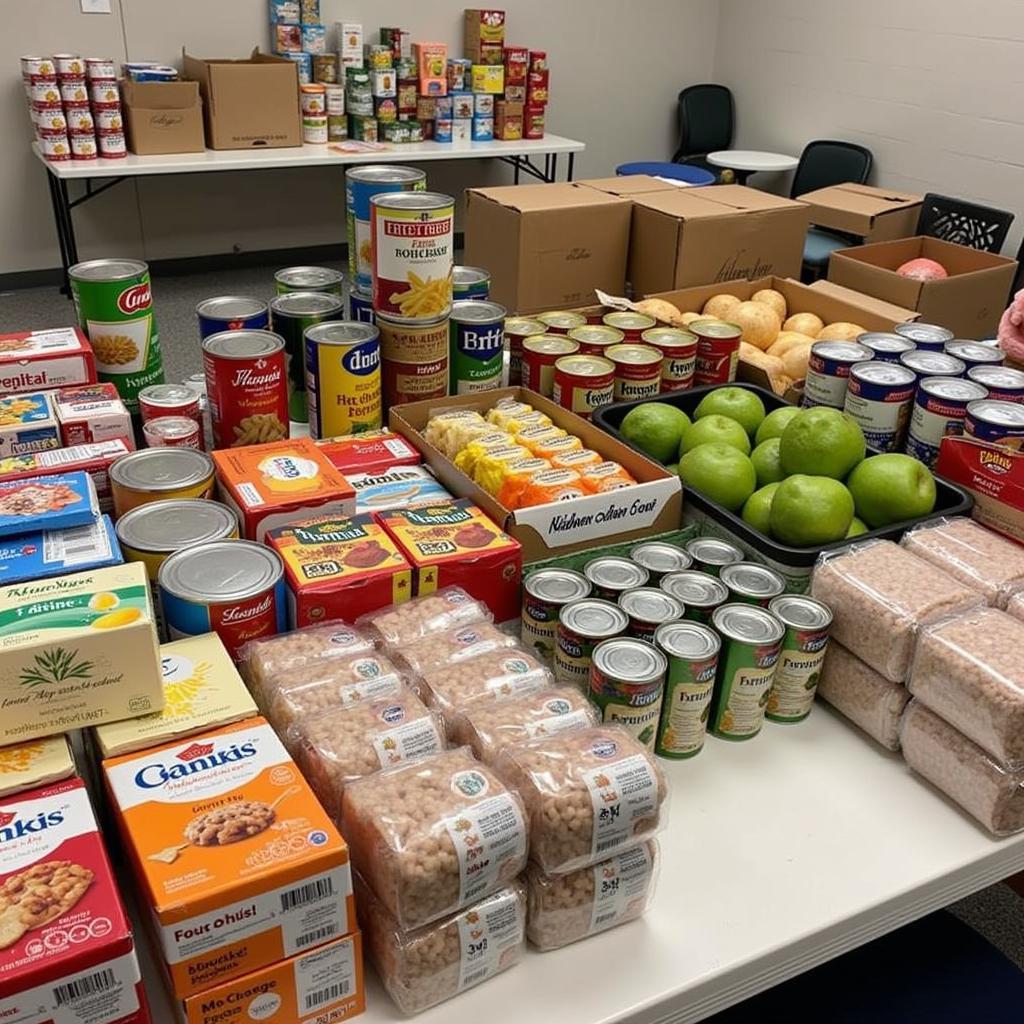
{"x": 372, "y": 452}
{"x": 272, "y": 484}
{"x": 397, "y": 487}
{"x": 35, "y": 763}
{"x": 92, "y": 413}
{"x": 41, "y": 360}
{"x": 338, "y": 567}
{"x": 41, "y": 554}
{"x": 47, "y": 502}
{"x": 27, "y": 424}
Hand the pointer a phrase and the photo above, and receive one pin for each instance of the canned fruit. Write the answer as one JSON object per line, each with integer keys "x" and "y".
{"x": 477, "y": 346}
{"x": 692, "y": 652}
{"x": 891, "y": 488}
{"x": 821, "y": 442}
{"x": 720, "y": 472}
{"x": 343, "y": 378}
{"x": 807, "y": 623}
{"x": 627, "y": 678}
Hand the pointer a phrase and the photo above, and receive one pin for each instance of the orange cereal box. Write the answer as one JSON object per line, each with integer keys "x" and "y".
{"x": 339, "y": 567}
{"x": 271, "y": 484}
{"x": 456, "y": 543}
{"x": 236, "y": 859}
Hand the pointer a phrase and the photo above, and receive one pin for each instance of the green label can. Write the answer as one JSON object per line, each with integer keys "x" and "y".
{"x": 807, "y": 623}
{"x": 709, "y": 554}
{"x": 700, "y": 593}
{"x": 692, "y": 652}
{"x": 477, "y": 351}
{"x": 751, "y": 644}
{"x": 114, "y": 303}
{"x": 627, "y": 678}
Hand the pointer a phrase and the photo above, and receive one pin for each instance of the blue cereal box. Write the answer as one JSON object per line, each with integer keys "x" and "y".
{"x": 27, "y": 424}
{"x": 47, "y": 503}
{"x": 285, "y": 12}
{"x": 314, "y": 39}
{"x": 44, "y": 553}
{"x": 483, "y": 129}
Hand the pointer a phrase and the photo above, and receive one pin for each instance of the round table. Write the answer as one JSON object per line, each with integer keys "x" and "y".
{"x": 682, "y": 174}
{"x": 749, "y": 161}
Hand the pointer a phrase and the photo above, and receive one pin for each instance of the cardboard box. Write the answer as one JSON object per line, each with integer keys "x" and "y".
{"x": 994, "y": 475}
{"x": 369, "y": 452}
{"x": 28, "y": 424}
{"x": 35, "y": 763}
{"x": 163, "y": 117}
{"x": 716, "y": 233}
{"x": 39, "y": 554}
{"x": 627, "y": 185}
{"x": 969, "y": 302}
{"x": 652, "y": 505}
{"x": 37, "y": 360}
{"x": 547, "y": 246}
{"x": 92, "y": 413}
{"x": 249, "y": 103}
{"x": 873, "y": 214}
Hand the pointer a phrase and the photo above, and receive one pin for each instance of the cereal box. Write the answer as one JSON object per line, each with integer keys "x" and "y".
{"x": 44, "y": 553}
{"x": 339, "y": 567}
{"x": 456, "y": 543}
{"x": 236, "y": 859}
{"x": 483, "y": 35}
{"x": 371, "y": 452}
{"x": 35, "y": 763}
{"x": 488, "y": 78}
{"x": 322, "y": 987}
{"x": 47, "y": 502}
{"x": 39, "y": 360}
{"x": 398, "y": 487}
{"x": 92, "y": 413}
{"x": 77, "y": 650}
{"x": 202, "y": 690}
{"x": 27, "y": 424}
{"x": 66, "y": 950}
{"x": 271, "y": 484}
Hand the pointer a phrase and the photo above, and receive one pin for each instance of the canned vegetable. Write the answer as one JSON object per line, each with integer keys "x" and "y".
{"x": 692, "y": 652}
{"x": 807, "y": 623}
{"x": 627, "y": 678}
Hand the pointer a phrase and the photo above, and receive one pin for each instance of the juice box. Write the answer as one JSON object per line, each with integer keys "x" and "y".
{"x": 35, "y": 763}
{"x": 370, "y": 452}
{"x": 44, "y": 553}
{"x": 27, "y": 424}
{"x": 47, "y": 502}
{"x": 91, "y": 413}
{"x": 40, "y": 360}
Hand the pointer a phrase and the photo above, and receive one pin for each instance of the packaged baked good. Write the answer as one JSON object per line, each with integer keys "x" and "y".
{"x": 433, "y": 835}
{"x": 402, "y": 624}
{"x": 987, "y": 790}
{"x": 338, "y": 746}
{"x": 881, "y": 595}
{"x": 567, "y": 908}
{"x": 977, "y": 557}
{"x": 487, "y": 727}
{"x": 428, "y": 965}
{"x": 442, "y": 650}
{"x": 451, "y": 431}
{"x": 859, "y": 693}
{"x": 589, "y": 794}
{"x": 969, "y": 670}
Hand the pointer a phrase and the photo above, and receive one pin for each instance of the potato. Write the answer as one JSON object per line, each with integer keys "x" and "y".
{"x": 770, "y": 364}
{"x": 760, "y": 323}
{"x": 794, "y": 361}
{"x": 840, "y": 331}
{"x": 661, "y": 310}
{"x": 773, "y": 298}
{"x": 804, "y": 323}
{"x": 787, "y": 340}
{"x": 720, "y": 306}
{"x": 688, "y": 318}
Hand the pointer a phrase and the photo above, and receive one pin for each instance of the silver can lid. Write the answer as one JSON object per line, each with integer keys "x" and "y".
{"x": 973, "y": 352}
{"x": 171, "y": 395}
{"x": 712, "y": 551}
{"x": 879, "y": 372}
{"x": 631, "y": 661}
{"x": 841, "y": 351}
{"x": 107, "y": 270}
{"x": 660, "y": 557}
{"x": 649, "y": 604}
{"x": 614, "y": 573}
{"x": 557, "y": 586}
{"x": 591, "y": 617}
{"x": 306, "y": 304}
{"x": 221, "y": 571}
{"x": 997, "y": 376}
{"x": 477, "y": 311}
{"x": 377, "y": 174}
{"x": 466, "y": 276}
{"x": 231, "y": 307}
{"x": 748, "y": 624}
{"x": 991, "y": 410}
{"x": 245, "y": 344}
{"x": 690, "y": 641}
{"x": 172, "y": 524}
{"x": 958, "y": 389}
{"x": 341, "y": 332}
{"x": 885, "y": 341}
{"x": 752, "y": 579}
{"x": 695, "y": 589}
{"x": 797, "y": 611}
{"x": 925, "y": 333}
{"x": 411, "y": 201}
{"x": 161, "y": 469}
{"x": 308, "y": 277}
{"x": 929, "y": 364}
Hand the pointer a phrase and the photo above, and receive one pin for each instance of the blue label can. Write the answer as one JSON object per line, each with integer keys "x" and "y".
{"x": 828, "y": 370}
{"x": 343, "y": 378}
{"x": 927, "y": 337}
{"x": 973, "y": 353}
{"x": 1004, "y": 383}
{"x": 878, "y": 398}
{"x": 477, "y": 346}
{"x": 940, "y": 406}
{"x": 470, "y": 283}
{"x": 927, "y": 363}
{"x": 995, "y": 422}
{"x": 360, "y": 307}
{"x": 232, "y": 313}
{"x": 886, "y": 346}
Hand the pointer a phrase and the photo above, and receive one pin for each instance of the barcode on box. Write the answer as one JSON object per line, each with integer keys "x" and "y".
{"x": 77, "y": 545}
{"x": 476, "y": 977}
{"x": 316, "y": 936}
{"x": 603, "y": 919}
{"x": 89, "y": 985}
{"x": 327, "y": 994}
{"x": 320, "y": 889}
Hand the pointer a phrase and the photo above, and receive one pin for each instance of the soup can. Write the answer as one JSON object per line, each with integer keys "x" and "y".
{"x": 73, "y": 92}
{"x": 718, "y": 351}
{"x": 55, "y": 147}
{"x": 413, "y": 360}
{"x": 290, "y": 316}
{"x": 170, "y": 400}
{"x": 45, "y": 94}
{"x": 637, "y": 372}
{"x": 879, "y": 398}
{"x": 596, "y": 339}
{"x": 108, "y": 120}
{"x": 540, "y": 354}
{"x": 648, "y": 608}
{"x": 886, "y": 346}
{"x": 611, "y": 576}
{"x": 560, "y": 321}
{"x": 104, "y": 96}
{"x": 828, "y": 372}
{"x": 231, "y": 313}
{"x": 660, "y": 559}
{"x": 631, "y": 324}
{"x": 751, "y": 582}
{"x": 995, "y": 422}
{"x": 155, "y": 474}
{"x": 678, "y": 350}
{"x": 692, "y": 652}
{"x": 1003, "y": 383}
{"x": 68, "y": 65}
{"x": 114, "y": 303}
{"x": 111, "y": 145}
{"x": 751, "y": 645}
{"x": 582, "y": 625}
{"x": 246, "y": 387}
{"x": 471, "y": 283}
{"x": 172, "y": 432}
{"x": 343, "y": 378}
{"x": 545, "y": 593}
{"x": 930, "y": 363}
{"x": 334, "y": 99}
{"x": 973, "y": 353}
{"x": 309, "y": 279}
{"x": 517, "y": 330}
{"x": 940, "y": 407}
{"x": 699, "y": 592}
{"x": 38, "y": 67}
{"x": 52, "y": 121}
{"x": 360, "y": 184}
{"x": 709, "y": 554}
{"x": 102, "y": 69}
{"x": 927, "y": 337}
{"x": 234, "y": 588}
{"x": 314, "y": 129}
{"x": 795, "y": 682}
{"x": 627, "y": 678}
{"x": 83, "y": 146}
{"x": 583, "y": 383}
{"x": 477, "y": 346}
{"x": 79, "y": 120}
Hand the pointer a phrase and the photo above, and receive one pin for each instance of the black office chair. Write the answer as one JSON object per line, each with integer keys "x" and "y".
{"x": 706, "y": 116}
{"x": 970, "y": 224}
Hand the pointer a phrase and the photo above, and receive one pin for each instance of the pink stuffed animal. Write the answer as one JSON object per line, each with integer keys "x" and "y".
{"x": 1011, "y": 329}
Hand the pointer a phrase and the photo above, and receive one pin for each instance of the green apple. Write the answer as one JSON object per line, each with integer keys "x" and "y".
{"x": 821, "y": 442}
{"x": 714, "y": 429}
{"x": 757, "y": 511}
{"x": 739, "y": 404}
{"x": 891, "y": 488}
{"x": 656, "y": 428}
{"x": 765, "y": 458}
{"x": 775, "y": 423}
{"x": 720, "y": 472}
{"x": 810, "y": 510}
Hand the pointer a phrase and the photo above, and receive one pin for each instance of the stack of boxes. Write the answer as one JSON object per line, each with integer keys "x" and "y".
{"x": 296, "y": 33}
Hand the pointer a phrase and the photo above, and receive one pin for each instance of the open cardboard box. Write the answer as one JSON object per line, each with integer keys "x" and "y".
{"x": 969, "y": 302}
{"x": 653, "y": 505}
{"x": 163, "y": 117}
{"x": 626, "y": 186}
{"x": 870, "y": 213}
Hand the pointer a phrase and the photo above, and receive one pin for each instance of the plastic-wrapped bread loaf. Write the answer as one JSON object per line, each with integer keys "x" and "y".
{"x": 401, "y": 624}
{"x": 566, "y": 908}
{"x": 589, "y": 794}
{"x": 880, "y": 596}
{"x": 426, "y": 966}
{"x": 977, "y": 557}
{"x": 963, "y": 771}
{"x": 970, "y": 670}
{"x": 419, "y": 833}
{"x": 858, "y": 692}
{"x": 442, "y": 650}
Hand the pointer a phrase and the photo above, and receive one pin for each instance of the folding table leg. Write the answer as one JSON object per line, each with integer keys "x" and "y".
{"x": 58, "y": 223}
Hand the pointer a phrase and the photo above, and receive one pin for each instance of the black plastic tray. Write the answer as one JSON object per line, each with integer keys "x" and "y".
{"x": 950, "y": 500}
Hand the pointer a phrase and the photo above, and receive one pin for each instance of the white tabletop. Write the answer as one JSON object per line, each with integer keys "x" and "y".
{"x": 752, "y": 160}
{"x": 780, "y": 853}
{"x": 302, "y": 156}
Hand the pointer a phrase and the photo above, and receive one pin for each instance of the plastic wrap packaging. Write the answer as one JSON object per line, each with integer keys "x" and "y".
{"x": 419, "y": 832}
{"x": 589, "y": 794}
{"x": 487, "y": 727}
{"x": 450, "y": 432}
{"x": 859, "y": 693}
{"x": 440, "y": 651}
{"x": 428, "y": 965}
{"x": 963, "y": 771}
{"x": 970, "y": 670}
{"x": 1015, "y": 607}
{"x": 567, "y": 908}
{"x": 401, "y": 624}
{"x": 977, "y": 557}
{"x": 337, "y": 747}
{"x": 880, "y": 596}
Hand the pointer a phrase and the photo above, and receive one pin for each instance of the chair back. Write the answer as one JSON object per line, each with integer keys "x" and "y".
{"x": 705, "y": 120}
{"x": 970, "y": 224}
{"x": 826, "y": 162}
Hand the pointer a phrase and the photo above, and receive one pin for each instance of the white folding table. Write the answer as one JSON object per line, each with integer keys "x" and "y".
{"x": 749, "y": 161}
{"x": 99, "y": 175}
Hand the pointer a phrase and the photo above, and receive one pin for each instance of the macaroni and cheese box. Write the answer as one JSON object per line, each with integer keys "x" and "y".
{"x": 27, "y": 424}
{"x": 202, "y": 690}
{"x": 397, "y": 487}
{"x": 77, "y": 651}
{"x": 271, "y": 484}
{"x": 339, "y": 567}
{"x": 92, "y": 413}
{"x": 35, "y": 763}
{"x": 239, "y": 864}
{"x": 372, "y": 452}
{"x": 39, "y": 360}
{"x": 44, "y": 553}
{"x": 47, "y": 503}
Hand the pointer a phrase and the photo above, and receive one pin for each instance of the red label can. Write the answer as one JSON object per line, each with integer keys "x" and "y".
{"x": 631, "y": 324}
{"x": 596, "y": 339}
{"x": 517, "y": 330}
{"x": 637, "y": 371}
{"x": 413, "y": 360}
{"x": 583, "y": 383}
{"x": 170, "y": 400}
{"x": 718, "y": 351}
{"x": 246, "y": 387}
{"x": 172, "y": 432}
{"x": 678, "y": 356}
{"x": 539, "y": 357}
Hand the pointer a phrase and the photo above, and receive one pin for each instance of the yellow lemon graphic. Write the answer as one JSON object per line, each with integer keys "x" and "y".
{"x": 121, "y": 617}
{"x": 103, "y": 601}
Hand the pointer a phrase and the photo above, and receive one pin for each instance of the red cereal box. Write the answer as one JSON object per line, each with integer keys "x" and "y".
{"x": 66, "y": 949}
{"x": 371, "y": 452}
{"x": 517, "y": 60}
{"x": 537, "y": 88}
{"x": 533, "y": 122}
{"x": 91, "y": 413}
{"x": 37, "y": 360}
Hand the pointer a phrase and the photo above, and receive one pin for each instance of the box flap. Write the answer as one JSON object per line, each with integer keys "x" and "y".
{"x": 861, "y": 199}
{"x": 628, "y": 184}
{"x": 898, "y": 314}
{"x": 685, "y": 204}
{"x": 739, "y": 197}
{"x": 557, "y": 196}
{"x": 160, "y": 95}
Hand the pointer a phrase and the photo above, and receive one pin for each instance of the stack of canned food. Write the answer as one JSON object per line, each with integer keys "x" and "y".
{"x": 672, "y": 642}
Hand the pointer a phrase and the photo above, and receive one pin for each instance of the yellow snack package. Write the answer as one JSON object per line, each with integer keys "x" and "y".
{"x": 467, "y": 459}
{"x": 490, "y": 468}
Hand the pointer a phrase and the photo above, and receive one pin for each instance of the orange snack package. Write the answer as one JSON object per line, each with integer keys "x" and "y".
{"x": 552, "y": 485}
{"x": 605, "y": 476}
{"x": 576, "y": 460}
{"x": 517, "y": 476}
{"x": 532, "y": 437}
{"x": 551, "y": 447}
